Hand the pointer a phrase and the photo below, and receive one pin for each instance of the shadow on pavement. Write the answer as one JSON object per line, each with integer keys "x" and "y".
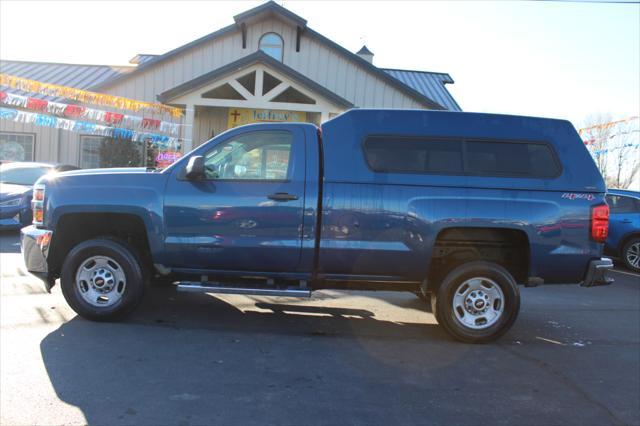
{"x": 10, "y": 241}
{"x": 192, "y": 358}
{"x": 187, "y": 358}
{"x": 165, "y": 306}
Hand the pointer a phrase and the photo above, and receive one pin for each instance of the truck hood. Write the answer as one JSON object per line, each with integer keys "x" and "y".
{"x": 104, "y": 178}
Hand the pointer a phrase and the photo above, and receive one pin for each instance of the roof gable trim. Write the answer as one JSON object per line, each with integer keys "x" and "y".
{"x": 270, "y": 7}
{"x": 256, "y": 57}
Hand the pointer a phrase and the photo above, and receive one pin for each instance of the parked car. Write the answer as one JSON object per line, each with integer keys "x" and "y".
{"x": 624, "y": 228}
{"x": 459, "y": 206}
{"x": 16, "y": 188}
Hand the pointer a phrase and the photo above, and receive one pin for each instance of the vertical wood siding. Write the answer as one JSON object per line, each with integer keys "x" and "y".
{"x": 208, "y": 122}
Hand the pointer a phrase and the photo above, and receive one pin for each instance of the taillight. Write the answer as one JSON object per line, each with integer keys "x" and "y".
{"x": 37, "y": 205}
{"x": 38, "y": 194}
{"x": 600, "y": 223}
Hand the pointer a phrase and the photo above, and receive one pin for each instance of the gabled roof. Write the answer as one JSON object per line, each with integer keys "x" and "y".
{"x": 430, "y": 84}
{"x": 425, "y": 87}
{"x": 256, "y": 57}
{"x": 273, "y": 8}
{"x": 364, "y": 51}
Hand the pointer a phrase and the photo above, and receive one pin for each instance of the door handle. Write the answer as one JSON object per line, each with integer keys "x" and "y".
{"x": 282, "y": 196}
{"x": 625, "y": 221}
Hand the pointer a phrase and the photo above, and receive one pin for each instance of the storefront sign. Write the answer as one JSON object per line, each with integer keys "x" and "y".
{"x": 240, "y": 116}
{"x": 167, "y": 158}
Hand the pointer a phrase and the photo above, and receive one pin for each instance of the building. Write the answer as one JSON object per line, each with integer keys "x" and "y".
{"x": 266, "y": 66}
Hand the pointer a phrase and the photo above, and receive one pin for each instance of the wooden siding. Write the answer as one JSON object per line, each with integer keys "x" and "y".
{"x": 315, "y": 60}
{"x": 209, "y": 122}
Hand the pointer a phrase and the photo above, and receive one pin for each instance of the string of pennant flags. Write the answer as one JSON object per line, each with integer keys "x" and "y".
{"x": 45, "y": 120}
{"x": 614, "y": 129}
{"x": 616, "y": 148}
{"x": 613, "y": 136}
{"x": 76, "y": 111}
{"x": 84, "y": 96}
{"x": 607, "y": 125}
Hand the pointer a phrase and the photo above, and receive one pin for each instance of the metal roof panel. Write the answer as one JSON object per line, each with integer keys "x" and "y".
{"x": 430, "y": 84}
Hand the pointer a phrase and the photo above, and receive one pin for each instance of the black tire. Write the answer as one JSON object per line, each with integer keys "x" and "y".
{"x": 442, "y": 301}
{"x": 626, "y": 251}
{"x": 125, "y": 257}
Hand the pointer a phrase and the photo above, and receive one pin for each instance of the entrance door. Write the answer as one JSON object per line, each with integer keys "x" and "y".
{"x": 247, "y": 214}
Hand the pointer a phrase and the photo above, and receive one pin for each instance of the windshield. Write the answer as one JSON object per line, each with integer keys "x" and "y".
{"x": 21, "y": 175}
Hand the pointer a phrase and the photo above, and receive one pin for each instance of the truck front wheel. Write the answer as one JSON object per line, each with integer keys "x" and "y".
{"x": 102, "y": 280}
{"x": 477, "y": 302}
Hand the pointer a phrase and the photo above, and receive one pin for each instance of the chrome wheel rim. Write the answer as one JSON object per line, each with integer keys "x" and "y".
{"x": 478, "y": 303}
{"x": 101, "y": 282}
{"x": 633, "y": 255}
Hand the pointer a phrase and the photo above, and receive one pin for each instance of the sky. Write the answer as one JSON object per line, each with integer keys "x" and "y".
{"x": 553, "y": 59}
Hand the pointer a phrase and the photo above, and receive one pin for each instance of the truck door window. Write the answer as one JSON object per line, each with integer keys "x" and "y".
{"x": 263, "y": 155}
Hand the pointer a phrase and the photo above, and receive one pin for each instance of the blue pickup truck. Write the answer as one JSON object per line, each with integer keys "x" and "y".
{"x": 459, "y": 208}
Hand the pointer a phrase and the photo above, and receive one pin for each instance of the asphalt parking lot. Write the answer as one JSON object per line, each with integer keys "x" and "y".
{"x": 573, "y": 357}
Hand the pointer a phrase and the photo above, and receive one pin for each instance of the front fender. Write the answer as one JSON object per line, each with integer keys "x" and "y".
{"x": 88, "y": 194}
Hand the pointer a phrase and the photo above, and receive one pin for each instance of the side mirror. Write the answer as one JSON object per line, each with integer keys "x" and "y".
{"x": 195, "y": 168}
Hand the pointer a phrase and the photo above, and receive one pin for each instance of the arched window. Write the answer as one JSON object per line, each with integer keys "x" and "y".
{"x": 272, "y": 45}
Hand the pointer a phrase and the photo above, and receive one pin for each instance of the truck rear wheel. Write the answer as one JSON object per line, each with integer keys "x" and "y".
{"x": 102, "y": 280}
{"x": 477, "y": 302}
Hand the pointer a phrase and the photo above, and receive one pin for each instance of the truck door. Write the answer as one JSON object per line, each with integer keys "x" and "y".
{"x": 247, "y": 214}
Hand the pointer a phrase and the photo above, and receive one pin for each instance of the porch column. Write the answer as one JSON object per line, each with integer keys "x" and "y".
{"x": 324, "y": 116}
{"x": 189, "y": 119}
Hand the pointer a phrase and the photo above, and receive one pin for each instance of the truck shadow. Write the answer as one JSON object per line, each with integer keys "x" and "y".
{"x": 9, "y": 241}
{"x": 187, "y": 358}
{"x": 166, "y": 307}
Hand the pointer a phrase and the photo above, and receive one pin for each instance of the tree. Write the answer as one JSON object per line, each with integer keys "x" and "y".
{"x": 615, "y": 149}
{"x": 150, "y": 155}
{"x": 120, "y": 153}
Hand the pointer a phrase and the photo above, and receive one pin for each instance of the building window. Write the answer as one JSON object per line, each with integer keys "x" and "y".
{"x": 272, "y": 45}
{"x": 16, "y": 146}
{"x": 100, "y": 151}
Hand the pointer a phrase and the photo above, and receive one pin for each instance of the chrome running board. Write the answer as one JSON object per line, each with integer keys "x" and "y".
{"x": 194, "y": 286}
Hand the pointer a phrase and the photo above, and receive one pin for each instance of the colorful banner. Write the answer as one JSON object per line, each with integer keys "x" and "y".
{"x": 616, "y": 148}
{"x": 240, "y": 116}
{"x": 606, "y": 125}
{"x": 77, "y": 111}
{"x": 43, "y": 120}
{"x": 613, "y": 136}
{"x": 84, "y": 96}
